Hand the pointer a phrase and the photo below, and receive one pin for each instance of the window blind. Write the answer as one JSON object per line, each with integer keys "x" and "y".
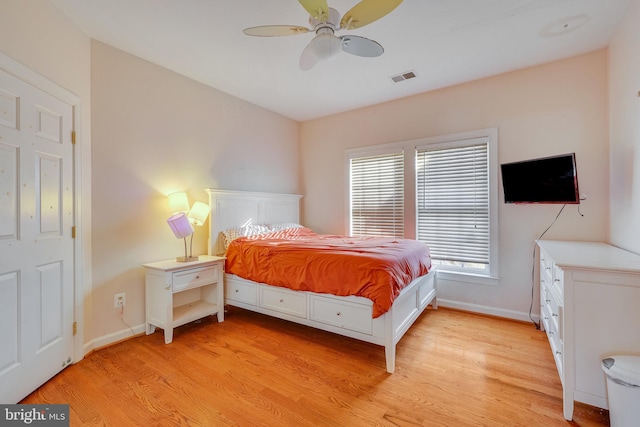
{"x": 377, "y": 195}
{"x": 453, "y": 202}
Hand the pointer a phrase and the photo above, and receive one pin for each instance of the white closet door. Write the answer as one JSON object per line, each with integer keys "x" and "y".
{"x": 36, "y": 246}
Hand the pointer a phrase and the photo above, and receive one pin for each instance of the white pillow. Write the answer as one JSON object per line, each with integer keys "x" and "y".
{"x": 248, "y": 230}
{"x": 279, "y": 226}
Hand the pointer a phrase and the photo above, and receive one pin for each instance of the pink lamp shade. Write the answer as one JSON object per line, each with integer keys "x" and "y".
{"x": 180, "y": 225}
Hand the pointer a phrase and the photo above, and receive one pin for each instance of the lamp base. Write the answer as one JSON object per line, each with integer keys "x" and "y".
{"x": 187, "y": 258}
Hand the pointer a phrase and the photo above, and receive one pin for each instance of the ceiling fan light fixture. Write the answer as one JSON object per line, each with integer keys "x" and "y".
{"x": 325, "y": 21}
{"x": 325, "y": 46}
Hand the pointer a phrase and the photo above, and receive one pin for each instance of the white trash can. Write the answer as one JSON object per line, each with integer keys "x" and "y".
{"x": 623, "y": 390}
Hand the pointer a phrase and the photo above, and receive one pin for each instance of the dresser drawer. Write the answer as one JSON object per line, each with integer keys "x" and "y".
{"x": 545, "y": 317}
{"x": 331, "y": 312}
{"x": 557, "y": 346}
{"x": 554, "y": 310}
{"x": 241, "y": 292}
{"x": 194, "y": 277}
{"x": 545, "y": 289}
{"x": 284, "y": 301}
{"x": 546, "y": 265}
{"x": 558, "y": 281}
{"x": 551, "y": 318}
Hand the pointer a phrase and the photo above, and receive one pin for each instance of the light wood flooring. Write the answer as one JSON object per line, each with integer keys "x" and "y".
{"x": 452, "y": 369}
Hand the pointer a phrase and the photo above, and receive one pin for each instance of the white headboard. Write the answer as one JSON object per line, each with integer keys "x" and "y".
{"x": 237, "y": 208}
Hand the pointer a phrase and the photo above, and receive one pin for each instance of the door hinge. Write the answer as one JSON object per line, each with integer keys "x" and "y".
{"x": 73, "y": 232}
{"x": 75, "y": 328}
{"x": 73, "y": 136}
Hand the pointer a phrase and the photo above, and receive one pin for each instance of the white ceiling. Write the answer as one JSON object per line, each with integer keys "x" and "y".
{"x": 444, "y": 42}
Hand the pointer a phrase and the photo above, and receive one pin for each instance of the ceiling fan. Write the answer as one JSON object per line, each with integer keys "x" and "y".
{"x": 325, "y": 21}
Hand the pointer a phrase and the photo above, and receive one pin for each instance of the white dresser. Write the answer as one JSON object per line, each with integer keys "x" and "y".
{"x": 589, "y": 308}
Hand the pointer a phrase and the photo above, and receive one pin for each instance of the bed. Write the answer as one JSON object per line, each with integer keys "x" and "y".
{"x": 352, "y": 316}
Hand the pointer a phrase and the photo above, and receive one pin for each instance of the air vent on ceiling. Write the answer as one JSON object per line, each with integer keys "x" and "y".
{"x": 403, "y": 76}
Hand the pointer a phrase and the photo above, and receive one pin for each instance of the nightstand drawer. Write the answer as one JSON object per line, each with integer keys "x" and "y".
{"x": 194, "y": 278}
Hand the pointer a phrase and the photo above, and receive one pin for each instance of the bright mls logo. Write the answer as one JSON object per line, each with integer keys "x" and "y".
{"x": 36, "y": 415}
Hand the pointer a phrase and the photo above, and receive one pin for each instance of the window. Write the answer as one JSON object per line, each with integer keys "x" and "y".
{"x": 377, "y": 195}
{"x": 453, "y": 203}
{"x": 440, "y": 190}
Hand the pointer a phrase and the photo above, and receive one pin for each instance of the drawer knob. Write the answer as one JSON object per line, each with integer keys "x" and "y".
{"x": 281, "y": 300}
{"x": 548, "y": 300}
{"x": 558, "y": 352}
{"x": 554, "y": 314}
{"x": 548, "y": 268}
{"x": 556, "y": 280}
{"x": 236, "y": 291}
{"x": 197, "y": 277}
{"x": 338, "y": 314}
{"x": 550, "y": 332}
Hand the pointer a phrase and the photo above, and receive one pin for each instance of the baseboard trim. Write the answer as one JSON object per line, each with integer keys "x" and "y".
{"x": 491, "y": 311}
{"x": 113, "y": 338}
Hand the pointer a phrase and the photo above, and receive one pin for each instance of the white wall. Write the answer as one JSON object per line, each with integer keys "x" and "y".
{"x": 35, "y": 34}
{"x": 555, "y": 108}
{"x": 624, "y": 100}
{"x": 156, "y": 132}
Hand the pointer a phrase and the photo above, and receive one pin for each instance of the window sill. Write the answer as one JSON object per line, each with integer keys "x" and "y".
{"x": 459, "y": 276}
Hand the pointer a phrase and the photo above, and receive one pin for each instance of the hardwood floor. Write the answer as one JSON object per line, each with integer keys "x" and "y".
{"x": 452, "y": 369}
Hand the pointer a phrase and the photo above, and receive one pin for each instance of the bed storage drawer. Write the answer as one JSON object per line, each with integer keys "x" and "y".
{"x": 243, "y": 292}
{"x": 355, "y": 317}
{"x": 284, "y": 301}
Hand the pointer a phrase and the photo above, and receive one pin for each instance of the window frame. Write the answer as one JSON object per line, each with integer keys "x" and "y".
{"x": 410, "y": 148}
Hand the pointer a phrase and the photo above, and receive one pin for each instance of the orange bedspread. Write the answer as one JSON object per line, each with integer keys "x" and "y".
{"x": 297, "y": 258}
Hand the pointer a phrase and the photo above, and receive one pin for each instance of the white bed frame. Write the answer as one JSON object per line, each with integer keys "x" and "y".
{"x": 349, "y": 316}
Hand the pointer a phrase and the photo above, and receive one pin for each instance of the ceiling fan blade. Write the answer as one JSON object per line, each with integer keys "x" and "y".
{"x": 275, "y": 30}
{"x": 366, "y": 12}
{"x": 318, "y": 9}
{"x": 361, "y": 46}
{"x": 307, "y": 60}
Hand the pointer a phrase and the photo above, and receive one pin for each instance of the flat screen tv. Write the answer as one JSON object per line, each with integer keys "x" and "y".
{"x": 545, "y": 180}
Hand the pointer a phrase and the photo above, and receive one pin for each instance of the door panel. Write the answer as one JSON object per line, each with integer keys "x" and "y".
{"x": 8, "y": 191}
{"x": 51, "y": 315}
{"x": 36, "y": 247}
{"x": 9, "y": 321}
{"x": 49, "y": 198}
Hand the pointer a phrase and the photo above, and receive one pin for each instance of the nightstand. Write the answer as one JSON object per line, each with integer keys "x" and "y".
{"x": 177, "y": 293}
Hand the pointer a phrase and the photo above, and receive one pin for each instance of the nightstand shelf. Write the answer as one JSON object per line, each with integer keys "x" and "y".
{"x": 177, "y": 293}
{"x": 189, "y": 312}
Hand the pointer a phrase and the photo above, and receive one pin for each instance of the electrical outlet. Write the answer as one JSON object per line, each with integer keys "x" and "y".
{"x": 119, "y": 300}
